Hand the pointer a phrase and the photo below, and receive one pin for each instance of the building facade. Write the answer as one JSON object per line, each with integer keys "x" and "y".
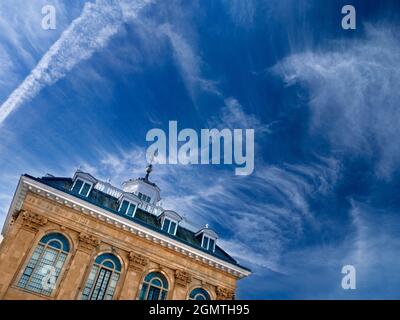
{"x": 82, "y": 238}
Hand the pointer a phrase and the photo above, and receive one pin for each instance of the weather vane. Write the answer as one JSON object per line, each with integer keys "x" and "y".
{"x": 149, "y": 167}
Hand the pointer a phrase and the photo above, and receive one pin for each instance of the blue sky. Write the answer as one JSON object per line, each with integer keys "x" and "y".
{"x": 323, "y": 102}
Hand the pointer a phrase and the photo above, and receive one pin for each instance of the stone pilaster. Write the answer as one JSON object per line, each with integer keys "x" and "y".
{"x": 87, "y": 242}
{"x": 72, "y": 283}
{"x": 137, "y": 261}
{"x": 14, "y": 252}
{"x": 136, "y": 267}
{"x": 182, "y": 280}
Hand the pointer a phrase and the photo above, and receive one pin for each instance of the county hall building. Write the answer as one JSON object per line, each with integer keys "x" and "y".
{"x": 82, "y": 238}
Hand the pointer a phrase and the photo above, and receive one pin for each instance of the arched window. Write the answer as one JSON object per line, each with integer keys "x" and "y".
{"x": 43, "y": 269}
{"x": 155, "y": 287}
{"x": 103, "y": 278}
{"x": 199, "y": 294}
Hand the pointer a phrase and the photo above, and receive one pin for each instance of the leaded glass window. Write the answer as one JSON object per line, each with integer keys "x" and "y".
{"x": 103, "y": 278}
{"x": 44, "y": 266}
{"x": 154, "y": 287}
{"x": 199, "y": 294}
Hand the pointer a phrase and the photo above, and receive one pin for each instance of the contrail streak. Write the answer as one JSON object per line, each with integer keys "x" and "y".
{"x": 88, "y": 33}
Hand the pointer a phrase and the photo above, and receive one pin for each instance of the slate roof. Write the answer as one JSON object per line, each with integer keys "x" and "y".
{"x": 144, "y": 218}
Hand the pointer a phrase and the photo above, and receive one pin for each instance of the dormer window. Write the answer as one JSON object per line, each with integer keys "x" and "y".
{"x": 207, "y": 238}
{"x": 127, "y": 208}
{"x": 169, "y": 221}
{"x": 169, "y": 226}
{"x": 128, "y": 204}
{"x": 83, "y": 183}
{"x": 208, "y": 243}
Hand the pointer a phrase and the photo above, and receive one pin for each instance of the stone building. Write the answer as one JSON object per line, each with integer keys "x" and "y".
{"x": 83, "y": 238}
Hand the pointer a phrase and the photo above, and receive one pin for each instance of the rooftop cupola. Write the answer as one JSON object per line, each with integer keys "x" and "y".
{"x": 143, "y": 188}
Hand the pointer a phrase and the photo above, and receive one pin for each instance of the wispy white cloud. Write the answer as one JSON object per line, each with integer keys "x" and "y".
{"x": 374, "y": 228}
{"x": 88, "y": 33}
{"x": 369, "y": 243}
{"x": 242, "y": 12}
{"x": 189, "y": 63}
{"x": 372, "y": 248}
{"x": 354, "y": 94}
{"x": 22, "y": 38}
{"x": 232, "y": 115}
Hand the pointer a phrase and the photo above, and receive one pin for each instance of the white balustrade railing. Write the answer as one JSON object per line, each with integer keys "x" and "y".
{"x": 116, "y": 193}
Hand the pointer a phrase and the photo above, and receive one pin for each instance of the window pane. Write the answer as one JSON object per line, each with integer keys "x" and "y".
{"x": 48, "y": 239}
{"x": 49, "y": 256}
{"x": 166, "y": 225}
{"x": 124, "y": 207}
{"x": 28, "y": 271}
{"x": 55, "y": 244}
{"x": 101, "y": 284}
{"x": 163, "y": 295}
{"x": 156, "y": 282}
{"x": 131, "y": 210}
{"x": 112, "y": 286}
{"x": 199, "y": 294}
{"x": 205, "y": 242}
{"x": 153, "y": 293}
{"x": 172, "y": 228}
{"x": 109, "y": 256}
{"x": 108, "y": 264}
{"x": 211, "y": 245}
{"x": 143, "y": 292}
{"x": 85, "y": 189}
{"x": 89, "y": 283}
{"x": 77, "y": 186}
